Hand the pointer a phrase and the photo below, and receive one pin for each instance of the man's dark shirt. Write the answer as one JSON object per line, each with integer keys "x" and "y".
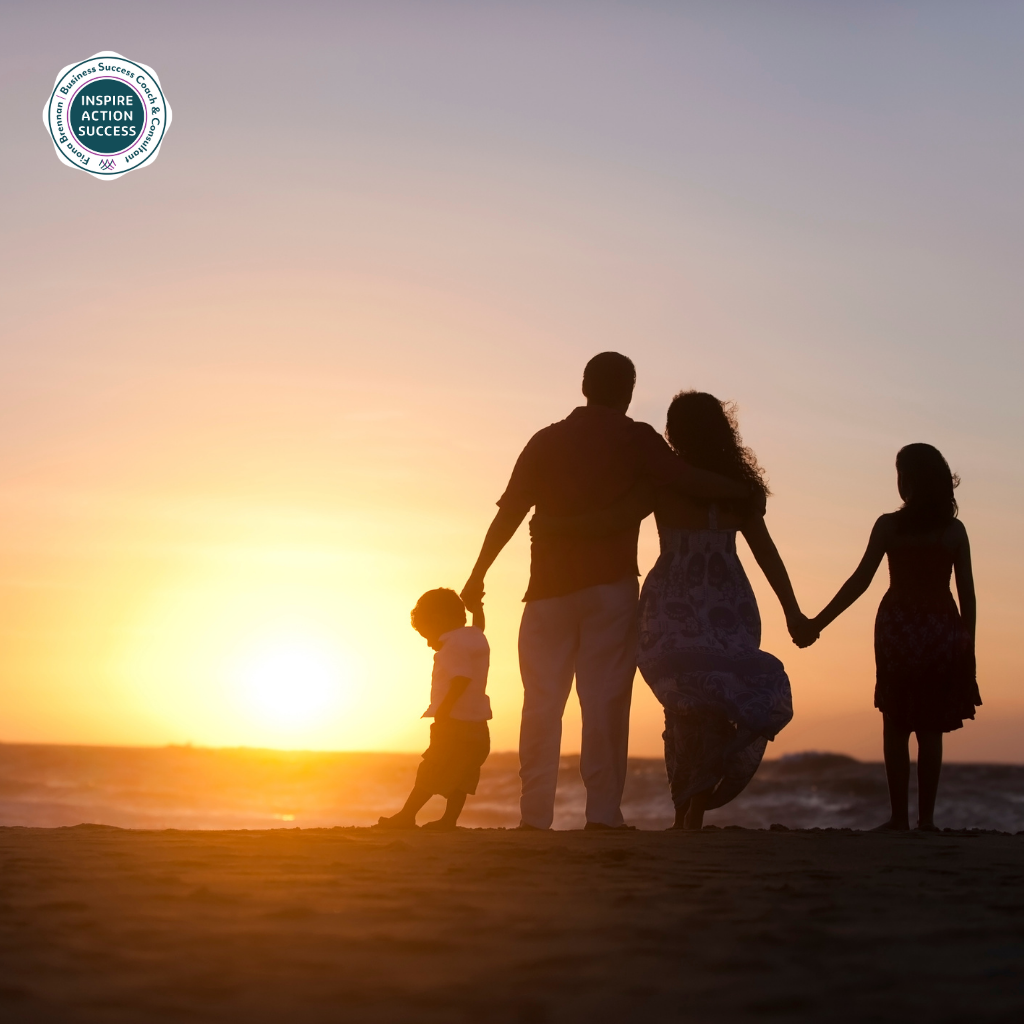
{"x": 585, "y": 463}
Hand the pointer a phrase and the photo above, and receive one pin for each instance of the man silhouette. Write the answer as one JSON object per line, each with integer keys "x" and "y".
{"x": 580, "y": 615}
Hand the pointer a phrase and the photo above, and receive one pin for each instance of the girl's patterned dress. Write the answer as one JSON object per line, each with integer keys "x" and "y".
{"x": 700, "y": 640}
{"x": 925, "y": 675}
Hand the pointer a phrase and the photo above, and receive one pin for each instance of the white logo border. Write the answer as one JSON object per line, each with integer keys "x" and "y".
{"x": 63, "y": 139}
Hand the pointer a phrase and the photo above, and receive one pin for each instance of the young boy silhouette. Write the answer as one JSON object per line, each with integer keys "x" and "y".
{"x": 459, "y": 737}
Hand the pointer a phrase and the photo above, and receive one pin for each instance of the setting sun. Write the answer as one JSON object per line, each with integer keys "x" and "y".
{"x": 291, "y": 679}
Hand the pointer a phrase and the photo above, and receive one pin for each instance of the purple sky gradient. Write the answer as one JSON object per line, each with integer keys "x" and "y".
{"x": 381, "y": 240}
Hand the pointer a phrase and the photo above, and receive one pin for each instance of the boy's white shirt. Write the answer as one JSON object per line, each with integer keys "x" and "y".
{"x": 464, "y": 652}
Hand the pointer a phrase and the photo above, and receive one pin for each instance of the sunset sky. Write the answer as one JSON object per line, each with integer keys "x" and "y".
{"x": 260, "y": 395}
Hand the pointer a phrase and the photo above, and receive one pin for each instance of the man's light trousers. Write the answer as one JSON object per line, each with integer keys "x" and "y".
{"x": 591, "y": 634}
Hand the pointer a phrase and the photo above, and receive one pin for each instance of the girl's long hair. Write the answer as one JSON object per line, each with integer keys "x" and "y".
{"x": 703, "y": 430}
{"x": 931, "y": 483}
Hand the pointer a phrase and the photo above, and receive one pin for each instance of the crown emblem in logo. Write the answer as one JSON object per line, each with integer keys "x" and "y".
{"x": 107, "y": 165}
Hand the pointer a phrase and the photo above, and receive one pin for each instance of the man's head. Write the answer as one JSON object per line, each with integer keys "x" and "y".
{"x": 438, "y": 612}
{"x": 608, "y": 379}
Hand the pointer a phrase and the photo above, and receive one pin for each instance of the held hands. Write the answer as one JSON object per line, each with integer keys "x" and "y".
{"x": 803, "y": 630}
{"x": 473, "y": 596}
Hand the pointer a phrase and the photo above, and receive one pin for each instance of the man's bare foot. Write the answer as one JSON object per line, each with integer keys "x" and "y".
{"x": 396, "y": 823}
{"x": 439, "y": 826}
{"x": 927, "y": 826}
{"x": 892, "y": 826}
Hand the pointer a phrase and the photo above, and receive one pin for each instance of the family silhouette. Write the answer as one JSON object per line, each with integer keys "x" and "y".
{"x": 694, "y": 630}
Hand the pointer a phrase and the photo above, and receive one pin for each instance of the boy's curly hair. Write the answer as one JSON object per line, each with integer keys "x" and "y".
{"x": 437, "y": 604}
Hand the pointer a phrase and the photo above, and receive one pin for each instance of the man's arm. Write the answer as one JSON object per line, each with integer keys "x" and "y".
{"x": 499, "y": 533}
{"x": 663, "y": 466}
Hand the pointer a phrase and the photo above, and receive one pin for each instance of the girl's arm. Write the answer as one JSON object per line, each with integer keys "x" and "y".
{"x": 768, "y": 558}
{"x": 965, "y": 585}
{"x": 862, "y": 575}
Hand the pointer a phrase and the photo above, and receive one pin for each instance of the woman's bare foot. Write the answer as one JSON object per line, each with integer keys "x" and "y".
{"x": 892, "y": 826}
{"x": 927, "y": 826}
{"x": 396, "y": 823}
{"x": 439, "y": 826}
{"x": 680, "y": 822}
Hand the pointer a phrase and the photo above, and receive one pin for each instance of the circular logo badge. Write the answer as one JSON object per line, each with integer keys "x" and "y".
{"x": 107, "y": 115}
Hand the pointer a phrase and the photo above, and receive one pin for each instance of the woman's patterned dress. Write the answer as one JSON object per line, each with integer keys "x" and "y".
{"x": 700, "y": 640}
{"x": 924, "y": 661}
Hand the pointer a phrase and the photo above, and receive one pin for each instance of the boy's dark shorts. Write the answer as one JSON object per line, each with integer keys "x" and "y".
{"x": 451, "y": 764}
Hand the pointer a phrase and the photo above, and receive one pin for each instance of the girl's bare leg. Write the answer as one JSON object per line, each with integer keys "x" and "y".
{"x": 694, "y": 818}
{"x": 895, "y": 744}
{"x": 929, "y": 767}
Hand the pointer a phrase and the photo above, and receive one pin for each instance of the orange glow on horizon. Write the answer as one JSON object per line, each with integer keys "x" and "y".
{"x": 213, "y": 526}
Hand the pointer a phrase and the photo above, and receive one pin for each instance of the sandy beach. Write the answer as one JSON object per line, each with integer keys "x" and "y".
{"x": 347, "y": 924}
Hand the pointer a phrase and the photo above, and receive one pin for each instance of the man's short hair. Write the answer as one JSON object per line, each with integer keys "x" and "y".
{"x": 608, "y": 378}
{"x": 441, "y": 604}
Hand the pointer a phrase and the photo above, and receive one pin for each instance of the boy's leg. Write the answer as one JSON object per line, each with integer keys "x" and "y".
{"x": 929, "y": 767}
{"x": 895, "y": 745}
{"x": 454, "y": 808}
{"x": 406, "y": 817}
{"x": 548, "y": 639}
{"x": 605, "y": 668}
{"x": 448, "y": 820}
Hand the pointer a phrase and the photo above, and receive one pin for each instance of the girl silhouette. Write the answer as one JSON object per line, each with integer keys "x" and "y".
{"x": 924, "y": 647}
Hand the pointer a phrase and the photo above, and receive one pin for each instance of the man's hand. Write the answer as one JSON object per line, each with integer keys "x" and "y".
{"x": 473, "y": 595}
{"x": 499, "y": 533}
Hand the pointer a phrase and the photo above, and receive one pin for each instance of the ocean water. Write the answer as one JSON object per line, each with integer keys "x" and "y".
{"x": 197, "y": 788}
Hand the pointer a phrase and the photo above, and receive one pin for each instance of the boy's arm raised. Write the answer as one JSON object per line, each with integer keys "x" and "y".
{"x": 862, "y": 575}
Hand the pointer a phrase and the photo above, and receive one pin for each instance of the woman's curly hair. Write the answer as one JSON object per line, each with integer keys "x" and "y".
{"x": 703, "y": 430}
